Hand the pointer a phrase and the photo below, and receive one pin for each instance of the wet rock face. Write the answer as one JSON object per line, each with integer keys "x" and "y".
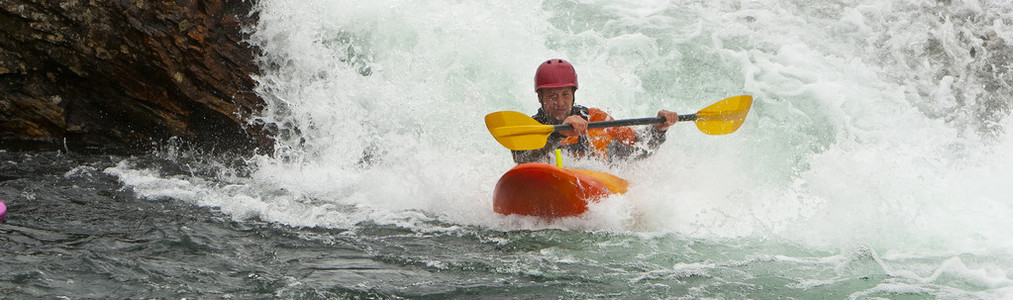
{"x": 124, "y": 75}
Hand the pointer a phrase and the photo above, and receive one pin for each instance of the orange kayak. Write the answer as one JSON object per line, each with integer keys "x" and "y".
{"x": 543, "y": 190}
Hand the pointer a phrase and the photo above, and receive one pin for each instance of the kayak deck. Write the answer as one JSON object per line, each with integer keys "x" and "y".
{"x": 543, "y": 190}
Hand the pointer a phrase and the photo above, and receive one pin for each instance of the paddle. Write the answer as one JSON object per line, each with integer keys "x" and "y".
{"x": 518, "y": 131}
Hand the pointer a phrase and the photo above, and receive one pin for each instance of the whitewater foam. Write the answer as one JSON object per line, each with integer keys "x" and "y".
{"x": 873, "y": 122}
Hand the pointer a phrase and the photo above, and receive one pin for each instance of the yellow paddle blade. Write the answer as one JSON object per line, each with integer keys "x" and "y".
{"x": 517, "y": 131}
{"x": 724, "y": 117}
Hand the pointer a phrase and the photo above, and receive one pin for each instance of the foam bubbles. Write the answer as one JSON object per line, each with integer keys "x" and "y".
{"x": 872, "y": 123}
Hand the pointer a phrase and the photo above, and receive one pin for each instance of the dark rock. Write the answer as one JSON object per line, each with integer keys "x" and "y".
{"x": 127, "y": 75}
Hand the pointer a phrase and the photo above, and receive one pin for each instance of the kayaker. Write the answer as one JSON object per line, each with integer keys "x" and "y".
{"x": 556, "y": 84}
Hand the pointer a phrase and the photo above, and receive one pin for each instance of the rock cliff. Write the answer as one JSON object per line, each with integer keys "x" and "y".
{"x": 126, "y": 75}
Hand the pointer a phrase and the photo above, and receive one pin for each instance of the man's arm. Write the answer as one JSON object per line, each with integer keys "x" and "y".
{"x": 543, "y": 155}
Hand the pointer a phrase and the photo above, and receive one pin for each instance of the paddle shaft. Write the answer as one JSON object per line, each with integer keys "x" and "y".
{"x": 626, "y": 122}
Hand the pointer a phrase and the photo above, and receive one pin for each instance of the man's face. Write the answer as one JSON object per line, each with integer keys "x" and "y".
{"x": 556, "y": 102}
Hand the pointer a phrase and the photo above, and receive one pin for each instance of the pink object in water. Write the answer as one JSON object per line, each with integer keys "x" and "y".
{"x": 3, "y": 211}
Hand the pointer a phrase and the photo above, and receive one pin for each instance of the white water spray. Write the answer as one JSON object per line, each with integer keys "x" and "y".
{"x": 877, "y": 123}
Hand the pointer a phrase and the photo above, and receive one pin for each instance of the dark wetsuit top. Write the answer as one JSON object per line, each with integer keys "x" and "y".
{"x": 646, "y": 143}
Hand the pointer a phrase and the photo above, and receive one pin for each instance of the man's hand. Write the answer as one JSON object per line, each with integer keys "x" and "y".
{"x": 670, "y": 119}
{"x": 579, "y": 126}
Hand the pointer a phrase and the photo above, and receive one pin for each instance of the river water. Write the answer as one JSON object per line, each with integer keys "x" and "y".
{"x": 873, "y": 163}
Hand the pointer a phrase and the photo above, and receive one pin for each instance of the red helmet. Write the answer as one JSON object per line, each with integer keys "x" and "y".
{"x": 555, "y": 73}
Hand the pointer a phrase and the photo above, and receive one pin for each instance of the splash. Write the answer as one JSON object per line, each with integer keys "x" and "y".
{"x": 878, "y": 123}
